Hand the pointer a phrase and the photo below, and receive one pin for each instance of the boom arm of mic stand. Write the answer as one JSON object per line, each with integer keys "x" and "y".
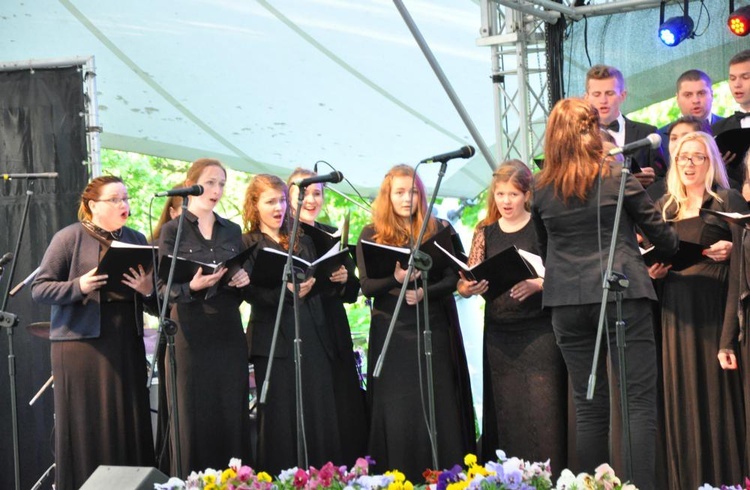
{"x": 356, "y": 203}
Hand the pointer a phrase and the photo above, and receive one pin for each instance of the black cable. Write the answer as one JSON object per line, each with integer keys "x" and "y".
{"x": 361, "y": 198}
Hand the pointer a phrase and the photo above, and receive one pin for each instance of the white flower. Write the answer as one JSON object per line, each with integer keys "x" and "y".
{"x": 173, "y": 483}
{"x": 235, "y": 464}
{"x": 567, "y": 481}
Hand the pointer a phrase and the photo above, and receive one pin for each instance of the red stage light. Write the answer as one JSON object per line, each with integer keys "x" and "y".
{"x": 739, "y": 21}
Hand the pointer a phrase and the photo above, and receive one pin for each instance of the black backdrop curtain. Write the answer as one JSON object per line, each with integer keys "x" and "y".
{"x": 42, "y": 129}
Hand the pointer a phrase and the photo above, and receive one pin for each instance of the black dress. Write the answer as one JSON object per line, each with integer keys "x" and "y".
{"x": 102, "y": 412}
{"x": 734, "y": 334}
{"x": 350, "y": 397}
{"x": 525, "y": 379}
{"x": 210, "y": 353}
{"x": 397, "y": 400}
{"x": 702, "y": 403}
{"x": 277, "y": 418}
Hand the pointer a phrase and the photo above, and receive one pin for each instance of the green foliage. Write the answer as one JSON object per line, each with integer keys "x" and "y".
{"x": 666, "y": 111}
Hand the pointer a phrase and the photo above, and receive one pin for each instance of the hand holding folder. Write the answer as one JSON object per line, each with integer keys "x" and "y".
{"x": 119, "y": 259}
{"x": 688, "y": 255}
{"x": 268, "y": 269}
{"x": 185, "y": 269}
{"x": 502, "y": 271}
{"x": 380, "y": 259}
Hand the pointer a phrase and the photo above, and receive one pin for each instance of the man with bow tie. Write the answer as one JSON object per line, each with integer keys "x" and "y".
{"x": 605, "y": 90}
{"x": 739, "y": 85}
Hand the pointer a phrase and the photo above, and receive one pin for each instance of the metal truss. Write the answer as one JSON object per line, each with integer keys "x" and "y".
{"x": 519, "y": 79}
{"x": 515, "y": 32}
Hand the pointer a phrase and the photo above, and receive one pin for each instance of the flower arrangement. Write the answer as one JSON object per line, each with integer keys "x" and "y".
{"x": 328, "y": 477}
{"x": 604, "y": 479}
{"x": 739, "y": 486}
{"x": 503, "y": 474}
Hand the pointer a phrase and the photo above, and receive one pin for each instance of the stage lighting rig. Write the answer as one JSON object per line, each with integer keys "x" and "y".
{"x": 675, "y": 29}
{"x": 739, "y": 20}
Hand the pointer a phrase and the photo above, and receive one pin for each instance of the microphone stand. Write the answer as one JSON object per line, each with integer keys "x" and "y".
{"x": 422, "y": 262}
{"x": 10, "y": 321}
{"x": 168, "y": 327}
{"x": 290, "y": 276}
{"x": 616, "y": 282}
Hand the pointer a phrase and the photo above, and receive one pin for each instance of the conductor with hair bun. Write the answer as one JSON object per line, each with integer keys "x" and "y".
{"x": 576, "y": 190}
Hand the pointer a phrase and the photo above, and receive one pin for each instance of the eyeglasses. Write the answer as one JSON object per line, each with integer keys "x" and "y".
{"x": 696, "y": 160}
{"x": 115, "y": 201}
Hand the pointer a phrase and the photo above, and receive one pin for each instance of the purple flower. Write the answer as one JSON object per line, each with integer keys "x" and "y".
{"x": 449, "y": 476}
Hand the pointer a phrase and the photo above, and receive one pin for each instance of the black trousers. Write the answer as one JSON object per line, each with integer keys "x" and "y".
{"x": 575, "y": 329}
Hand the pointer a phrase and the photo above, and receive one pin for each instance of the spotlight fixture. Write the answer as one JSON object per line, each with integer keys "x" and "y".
{"x": 739, "y": 20}
{"x": 675, "y": 29}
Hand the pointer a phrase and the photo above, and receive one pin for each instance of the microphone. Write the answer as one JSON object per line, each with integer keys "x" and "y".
{"x": 463, "y": 152}
{"x": 43, "y": 175}
{"x": 193, "y": 190}
{"x": 6, "y": 258}
{"x": 25, "y": 282}
{"x": 653, "y": 140}
{"x": 334, "y": 177}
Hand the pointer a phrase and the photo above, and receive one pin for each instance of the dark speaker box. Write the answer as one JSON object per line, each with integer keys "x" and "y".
{"x": 124, "y": 478}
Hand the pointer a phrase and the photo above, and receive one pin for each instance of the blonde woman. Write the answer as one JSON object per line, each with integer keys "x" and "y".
{"x": 702, "y": 403}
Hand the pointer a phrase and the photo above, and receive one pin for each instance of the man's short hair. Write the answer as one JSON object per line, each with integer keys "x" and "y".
{"x": 693, "y": 76}
{"x": 740, "y": 57}
{"x": 603, "y": 72}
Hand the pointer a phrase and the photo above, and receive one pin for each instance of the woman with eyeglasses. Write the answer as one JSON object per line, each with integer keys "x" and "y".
{"x": 702, "y": 403}
{"x": 102, "y": 414}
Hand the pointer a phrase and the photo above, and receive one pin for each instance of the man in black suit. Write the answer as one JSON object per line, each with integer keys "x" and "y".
{"x": 695, "y": 97}
{"x": 605, "y": 90}
{"x": 739, "y": 84}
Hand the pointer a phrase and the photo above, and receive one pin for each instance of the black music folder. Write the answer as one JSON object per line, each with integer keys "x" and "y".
{"x": 268, "y": 269}
{"x": 380, "y": 259}
{"x": 185, "y": 269}
{"x": 734, "y": 218}
{"x": 322, "y": 239}
{"x": 502, "y": 271}
{"x": 118, "y": 260}
{"x": 736, "y": 141}
{"x": 688, "y": 255}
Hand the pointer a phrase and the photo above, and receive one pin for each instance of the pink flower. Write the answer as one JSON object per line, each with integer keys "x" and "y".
{"x": 244, "y": 473}
{"x": 300, "y": 479}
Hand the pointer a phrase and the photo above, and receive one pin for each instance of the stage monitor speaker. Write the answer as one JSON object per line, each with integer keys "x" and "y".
{"x": 124, "y": 478}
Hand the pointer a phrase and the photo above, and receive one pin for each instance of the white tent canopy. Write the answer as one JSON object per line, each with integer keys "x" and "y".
{"x": 266, "y": 88}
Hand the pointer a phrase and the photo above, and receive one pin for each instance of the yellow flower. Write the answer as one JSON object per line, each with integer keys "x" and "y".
{"x": 227, "y": 475}
{"x": 470, "y": 459}
{"x": 477, "y": 470}
{"x": 210, "y": 486}
{"x": 408, "y": 485}
{"x": 398, "y": 477}
{"x": 209, "y": 479}
{"x": 264, "y": 477}
{"x": 459, "y": 485}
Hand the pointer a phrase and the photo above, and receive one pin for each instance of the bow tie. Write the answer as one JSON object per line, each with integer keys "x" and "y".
{"x": 741, "y": 115}
{"x": 613, "y": 126}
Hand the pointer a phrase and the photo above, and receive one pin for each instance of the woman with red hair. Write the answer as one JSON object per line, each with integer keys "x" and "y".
{"x": 397, "y": 399}
{"x": 575, "y": 198}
